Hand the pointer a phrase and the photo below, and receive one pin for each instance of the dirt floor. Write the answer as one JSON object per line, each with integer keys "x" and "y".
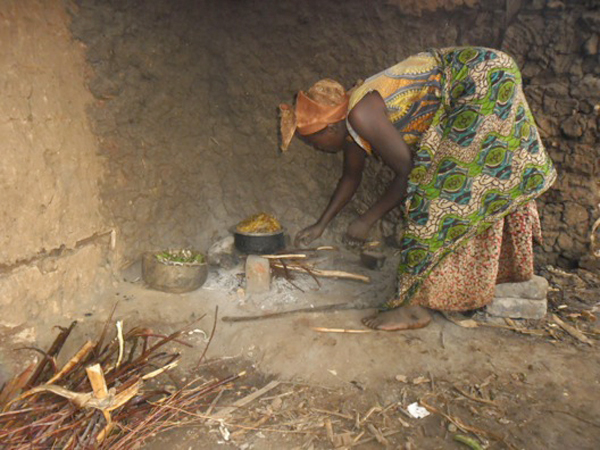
{"x": 529, "y": 387}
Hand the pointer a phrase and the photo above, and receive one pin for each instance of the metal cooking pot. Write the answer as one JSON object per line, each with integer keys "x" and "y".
{"x": 259, "y": 243}
{"x": 173, "y": 278}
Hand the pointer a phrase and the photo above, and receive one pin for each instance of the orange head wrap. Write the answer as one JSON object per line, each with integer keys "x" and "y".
{"x": 326, "y": 102}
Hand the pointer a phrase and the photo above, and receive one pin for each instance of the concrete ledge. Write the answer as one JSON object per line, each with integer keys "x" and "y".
{"x": 53, "y": 287}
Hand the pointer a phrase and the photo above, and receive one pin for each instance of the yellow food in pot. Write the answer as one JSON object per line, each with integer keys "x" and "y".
{"x": 259, "y": 223}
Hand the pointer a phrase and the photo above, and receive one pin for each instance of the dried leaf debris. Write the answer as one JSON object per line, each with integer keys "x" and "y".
{"x": 332, "y": 421}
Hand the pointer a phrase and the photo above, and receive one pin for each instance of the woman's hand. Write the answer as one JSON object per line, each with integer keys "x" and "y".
{"x": 358, "y": 231}
{"x": 308, "y": 234}
{"x": 354, "y": 163}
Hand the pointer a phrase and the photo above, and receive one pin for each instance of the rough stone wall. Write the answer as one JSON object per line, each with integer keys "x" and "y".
{"x": 557, "y": 45}
{"x": 53, "y": 249}
{"x": 186, "y": 95}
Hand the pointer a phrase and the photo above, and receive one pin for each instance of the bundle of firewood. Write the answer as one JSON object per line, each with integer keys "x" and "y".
{"x": 105, "y": 396}
{"x": 306, "y": 261}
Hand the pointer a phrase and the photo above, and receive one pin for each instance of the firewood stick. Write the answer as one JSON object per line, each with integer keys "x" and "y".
{"x": 300, "y": 253}
{"x": 286, "y": 256}
{"x": 328, "y": 273}
{"x": 322, "y": 308}
{"x": 97, "y": 381}
{"x": 81, "y": 353}
{"x": 572, "y": 330}
{"x": 341, "y": 330}
{"x": 121, "y": 341}
{"x": 96, "y": 377}
{"x": 54, "y": 349}
{"x": 315, "y": 249}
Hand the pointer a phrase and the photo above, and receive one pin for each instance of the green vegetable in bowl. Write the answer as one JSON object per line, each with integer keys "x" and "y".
{"x": 180, "y": 257}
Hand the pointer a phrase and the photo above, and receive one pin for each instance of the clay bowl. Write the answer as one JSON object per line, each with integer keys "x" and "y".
{"x": 259, "y": 243}
{"x": 171, "y": 278}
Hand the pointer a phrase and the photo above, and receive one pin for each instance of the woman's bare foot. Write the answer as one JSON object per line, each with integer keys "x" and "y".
{"x": 402, "y": 318}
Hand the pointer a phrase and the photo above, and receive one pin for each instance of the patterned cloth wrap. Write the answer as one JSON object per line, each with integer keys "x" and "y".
{"x": 480, "y": 159}
{"x": 411, "y": 90}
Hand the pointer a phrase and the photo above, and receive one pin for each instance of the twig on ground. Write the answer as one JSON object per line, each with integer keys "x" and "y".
{"x": 531, "y": 332}
{"x": 331, "y": 307}
{"x": 572, "y": 330}
{"x": 288, "y": 276}
{"x": 212, "y": 335}
{"x": 471, "y": 397}
{"x": 463, "y": 426}
{"x": 246, "y": 400}
{"x": 341, "y": 330}
{"x": 53, "y": 351}
{"x": 589, "y": 422}
{"x": 384, "y": 435}
{"x": 333, "y": 413}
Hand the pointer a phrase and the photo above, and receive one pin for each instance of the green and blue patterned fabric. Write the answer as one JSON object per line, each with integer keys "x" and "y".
{"x": 480, "y": 159}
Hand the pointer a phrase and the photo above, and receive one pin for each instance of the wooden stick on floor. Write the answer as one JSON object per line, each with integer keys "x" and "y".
{"x": 327, "y": 273}
{"x": 98, "y": 382}
{"x": 331, "y": 307}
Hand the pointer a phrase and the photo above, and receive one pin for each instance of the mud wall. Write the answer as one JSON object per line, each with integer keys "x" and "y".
{"x": 557, "y": 45}
{"x": 186, "y": 95}
{"x": 186, "y": 104}
{"x": 54, "y": 242}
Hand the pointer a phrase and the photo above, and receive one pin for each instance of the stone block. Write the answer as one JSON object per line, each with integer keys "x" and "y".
{"x": 591, "y": 263}
{"x": 555, "y": 4}
{"x": 534, "y": 289}
{"x": 223, "y": 254}
{"x": 575, "y": 214}
{"x": 559, "y": 89}
{"x": 572, "y": 127}
{"x": 518, "y": 308}
{"x": 525, "y": 300}
{"x": 258, "y": 274}
{"x": 220, "y": 247}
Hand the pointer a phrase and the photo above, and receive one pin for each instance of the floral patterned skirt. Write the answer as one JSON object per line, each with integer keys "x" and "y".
{"x": 466, "y": 278}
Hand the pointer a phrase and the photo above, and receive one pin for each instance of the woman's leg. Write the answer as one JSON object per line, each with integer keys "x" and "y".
{"x": 521, "y": 229}
{"x": 466, "y": 279}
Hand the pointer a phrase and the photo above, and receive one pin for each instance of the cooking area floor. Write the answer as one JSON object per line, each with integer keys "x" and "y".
{"x": 538, "y": 387}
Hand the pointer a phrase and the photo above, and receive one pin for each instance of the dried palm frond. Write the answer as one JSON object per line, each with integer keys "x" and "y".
{"x": 99, "y": 398}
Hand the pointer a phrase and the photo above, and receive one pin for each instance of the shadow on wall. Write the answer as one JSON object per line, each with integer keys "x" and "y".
{"x": 186, "y": 95}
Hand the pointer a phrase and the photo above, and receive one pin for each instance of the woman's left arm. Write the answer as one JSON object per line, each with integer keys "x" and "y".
{"x": 369, "y": 119}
